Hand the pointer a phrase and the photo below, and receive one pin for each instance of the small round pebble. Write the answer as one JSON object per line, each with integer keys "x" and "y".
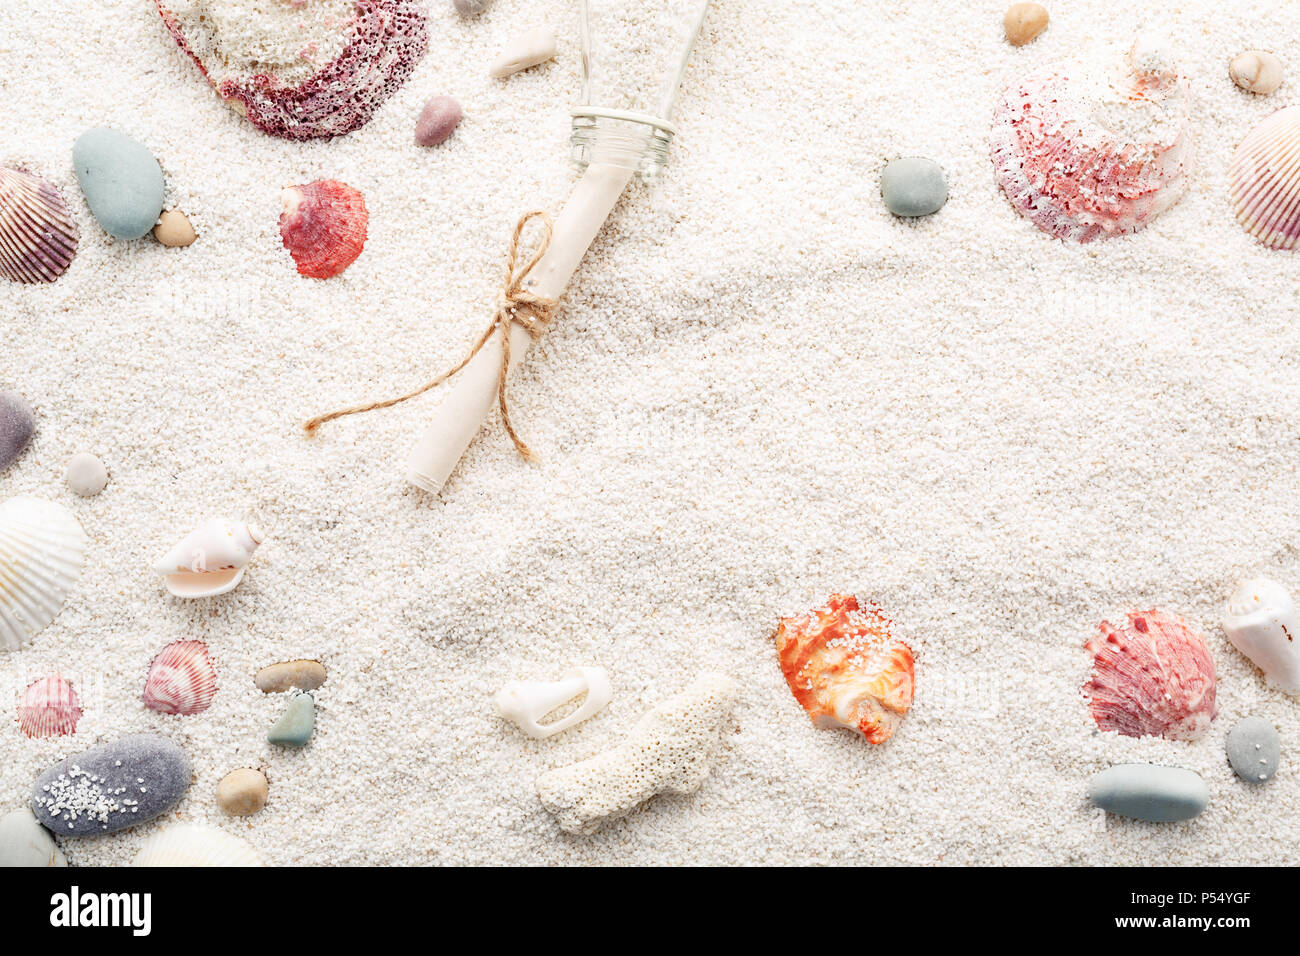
{"x": 913, "y": 187}
{"x": 439, "y": 118}
{"x": 174, "y": 229}
{"x": 1024, "y": 22}
{"x": 17, "y": 424}
{"x": 1256, "y": 71}
{"x": 87, "y": 475}
{"x": 1254, "y": 749}
{"x": 242, "y": 792}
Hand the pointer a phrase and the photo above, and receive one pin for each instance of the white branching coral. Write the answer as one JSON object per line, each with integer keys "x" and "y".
{"x": 670, "y": 750}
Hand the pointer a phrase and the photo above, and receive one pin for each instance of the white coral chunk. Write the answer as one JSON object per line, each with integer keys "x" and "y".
{"x": 670, "y": 750}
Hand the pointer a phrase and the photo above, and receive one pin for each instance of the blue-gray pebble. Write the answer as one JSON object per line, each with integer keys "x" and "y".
{"x": 111, "y": 787}
{"x": 16, "y": 427}
{"x": 1254, "y": 749}
{"x": 913, "y": 187}
{"x": 1144, "y": 791}
{"x": 121, "y": 180}
{"x": 295, "y": 727}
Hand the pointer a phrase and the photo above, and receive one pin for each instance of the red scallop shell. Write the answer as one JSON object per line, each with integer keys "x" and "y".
{"x": 49, "y": 708}
{"x": 181, "y": 679}
{"x": 846, "y": 669}
{"x": 323, "y": 226}
{"x": 1152, "y": 677}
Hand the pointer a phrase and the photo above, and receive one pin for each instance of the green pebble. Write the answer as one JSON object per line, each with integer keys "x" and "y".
{"x": 121, "y": 180}
{"x": 294, "y": 729}
{"x": 913, "y": 187}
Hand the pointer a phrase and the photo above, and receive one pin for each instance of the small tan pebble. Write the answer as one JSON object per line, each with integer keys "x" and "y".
{"x": 174, "y": 229}
{"x": 1256, "y": 72}
{"x": 242, "y": 792}
{"x": 302, "y": 674}
{"x": 87, "y": 475}
{"x": 1024, "y": 22}
{"x": 527, "y": 49}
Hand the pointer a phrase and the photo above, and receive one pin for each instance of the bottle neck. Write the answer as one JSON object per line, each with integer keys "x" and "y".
{"x": 638, "y": 142}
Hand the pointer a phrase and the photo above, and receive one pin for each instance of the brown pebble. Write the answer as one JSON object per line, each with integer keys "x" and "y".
{"x": 174, "y": 229}
{"x": 1024, "y": 22}
{"x": 242, "y": 792}
{"x": 302, "y": 674}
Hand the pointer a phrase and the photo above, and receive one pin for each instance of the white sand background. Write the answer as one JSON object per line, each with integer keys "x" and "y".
{"x": 763, "y": 389}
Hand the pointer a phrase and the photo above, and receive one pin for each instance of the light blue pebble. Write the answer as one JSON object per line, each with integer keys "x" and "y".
{"x": 1254, "y": 749}
{"x": 121, "y": 180}
{"x": 913, "y": 187}
{"x": 295, "y": 727}
{"x": 1144, "y": 791}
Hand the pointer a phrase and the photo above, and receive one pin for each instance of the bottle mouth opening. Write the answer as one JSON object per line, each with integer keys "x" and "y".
{"x": 621, "y": 138}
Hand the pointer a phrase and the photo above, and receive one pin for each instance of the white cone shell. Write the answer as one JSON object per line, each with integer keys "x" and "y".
{"x": 525, "y": 703}
{"x": 42, "y": 549}
{"x": 195, "y": 844}
{"x": 210, "y": 560}
{"x": 1261, "y": 622}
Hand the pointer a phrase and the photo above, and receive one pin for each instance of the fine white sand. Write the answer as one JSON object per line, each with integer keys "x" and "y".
{"x": 763, "y": 389}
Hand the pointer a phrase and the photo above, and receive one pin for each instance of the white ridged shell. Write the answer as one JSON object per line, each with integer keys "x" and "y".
{"x": 196, "y": 844}
{"x": 24, "y": 842}
{"x": 38, "y": 237}
{"x": 1265, "y": 180}
{"x": 42, "y": 548}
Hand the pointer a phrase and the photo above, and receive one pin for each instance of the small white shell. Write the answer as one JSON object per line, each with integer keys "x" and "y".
{"x": 1256, "y": 71}
{"x": 1261, "y": 622}
{"x": 525, "y": 703}
{"x": 1265, "y": 180}
{"x": 24, "y": 842}
{"x": 527, "y": 49}
{"x": 195, "y": 844}
{"x": 42, "y": 548}
{"x": 211, "y": 559}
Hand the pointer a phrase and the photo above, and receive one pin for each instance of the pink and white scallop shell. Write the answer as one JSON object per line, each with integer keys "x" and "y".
{"x": 1085, "y": 153}
{"x": 1265, "y": 180}
{"x": 301, "y": 69}
{"x": 181, "y": 679}
{"x": 1153, "y": 676}
{"x": 49, "y": 708}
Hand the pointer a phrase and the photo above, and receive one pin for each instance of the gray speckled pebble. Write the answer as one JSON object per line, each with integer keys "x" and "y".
{"x": 111, "y": 787}
{"x": 913, "y": 187}
{"x": 121, "y": 180}
{"x": 1144, "y": 791}
{"x": 294, "y": 729}
{"x": 16, "y": 427}
{"x": 1254, "y": 749}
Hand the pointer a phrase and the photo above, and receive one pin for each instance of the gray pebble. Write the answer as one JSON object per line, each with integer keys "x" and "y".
{"x": 469, "y": 8}
{"x": 1254, "y": 749}
{"x": 294, "y": 729}
{"x": 440, "y": 116}
{"x": 111, "y": 787}
{"x": 17, "y": 424}
{"x": 121, "y": 180}
{"x": 913, "y": 187}
{"x": 1144, "y": 791}
{"x": 87, "y": 475}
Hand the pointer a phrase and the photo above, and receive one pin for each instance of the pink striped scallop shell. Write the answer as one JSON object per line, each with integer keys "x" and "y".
{"x": 181, "y": 679}
{"x": 1265, "y": 180}
{"x": 49, "y": 708}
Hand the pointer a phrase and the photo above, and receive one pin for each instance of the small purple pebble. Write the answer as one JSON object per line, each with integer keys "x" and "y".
{"x": 16, "y": 427}
{"x": 438, "y": 119}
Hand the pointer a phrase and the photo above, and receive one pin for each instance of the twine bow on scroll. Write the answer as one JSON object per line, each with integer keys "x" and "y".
{"x": 517, "y": 306}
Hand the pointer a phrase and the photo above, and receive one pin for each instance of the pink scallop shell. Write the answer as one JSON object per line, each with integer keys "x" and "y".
{"x": 1083, "y": 158}
{"x": 181, "y": 679}
{"x": 38, "y": 237}
{"x": 1265, "y": 180}
{"x": 49, "y": 708}
{"x": 323, "y": 226}
{"x": 1152, "y": 677}
{"x": 384, "y": 40}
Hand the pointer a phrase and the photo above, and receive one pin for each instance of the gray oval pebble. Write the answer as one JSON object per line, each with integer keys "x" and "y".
{"x": 913, "y": 187}
{"x": 17, "y": 424}
{"x": 1254, "y": 749}
{"x": 439, "y": 118}
{"x": 111, "y": 787}
{"x": 1144, "y": 791}
{"x": 121, "y": 180}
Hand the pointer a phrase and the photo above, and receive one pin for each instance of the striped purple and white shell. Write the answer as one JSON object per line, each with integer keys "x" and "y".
{"x": 38, "y": 237}
{"x": 1265, "y": 180}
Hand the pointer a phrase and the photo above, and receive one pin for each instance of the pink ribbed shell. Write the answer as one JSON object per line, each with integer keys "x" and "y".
{"x": 49, "y": 708}
{"x": 323, "y": 225}
{"x": 1265, "y": 180}
{"x": 38, "y": 237}
{"x": 1066, "y": 168}
{"x": 1152, "y": 677}
{"x": 384, "y": 40}
{"x": 181, "y": 679}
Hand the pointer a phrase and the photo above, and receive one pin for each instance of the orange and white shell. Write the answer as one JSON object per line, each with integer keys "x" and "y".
{"x": 846, "y": 669}
{"x": 1153, "y": 676}
{"x": 49, "y": 708}
{"x": 181, "y": 679}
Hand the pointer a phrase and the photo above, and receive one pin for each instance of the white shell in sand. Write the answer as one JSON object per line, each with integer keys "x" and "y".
{"x": 42, "y": 548}
{"x": 211, "y": 559}
{"x": 528, "y": 49}
{"x": 24, "y": 842}
{"x": 195, "y": 844}
{"x": 1261, "y": 623}
{"x": 525, "y": 703}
